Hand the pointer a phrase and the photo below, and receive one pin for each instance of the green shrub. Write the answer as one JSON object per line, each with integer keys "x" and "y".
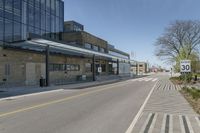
{"x": 193, "y": 92}
{"x": 188, "y": 77}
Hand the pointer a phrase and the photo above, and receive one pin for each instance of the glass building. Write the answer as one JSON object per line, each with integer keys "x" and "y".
{"x": 19, "y": 18}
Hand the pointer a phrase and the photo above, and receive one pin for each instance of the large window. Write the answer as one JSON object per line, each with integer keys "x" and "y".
{"x": 64, "y": 67}
{"x": 57, "y": 8}
{"x": 52, "y": 24}
{"x": 48, "y": 22}
{"x": 31, "y": 2}
{"x": 24, "y": 12}
{"x": 61, "y": 23}
{"x": 95, "y": 48}
{"x": 1, "y": 8}
{"x": 37, "y": 31}
{"x": 53, "y": 7}
{"x": 1, "y": 4}
{"x": 8, "y": 31}
{"x": 30, "y": 29}
{"x": 88, "y": 46}
{"x": 43, "y": 20}
{"x": 17, "y": 31}
{"x": 16, "y": 10}
{"x": 48, "y": 6}
{"x": 102, "y": 50}
{"x": 61, "y": 10}
{"x": 1, "y": 28}
{"x": 8, "y": 9}
{"x": 24, "y": 31}
{"x": 57, "y": 24}
{"x": 43, "y": 5}
{"x": 37, "y": 3}
{"x": 31, "y": 15}
{"x": 37, "y": 17}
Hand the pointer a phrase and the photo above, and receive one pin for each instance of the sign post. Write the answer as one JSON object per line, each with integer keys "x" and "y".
{"x": 185, "y": 67}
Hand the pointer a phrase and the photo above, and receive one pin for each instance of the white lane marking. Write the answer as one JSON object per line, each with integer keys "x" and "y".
{"x": 130, "y": 128}
{"x": 172, "y": 87}
{"x": 154, "y": 80}
{"x": 197, "y": 119}
{"x": 146, "y": 122}
{"x": 153, "y": 123}
{"x": 181, "y": 124}
{"x": 148, "y": 79}
{"x": 170, "y": 123}
{"x": 177, "y": 87}
{"x": 163, "y": 123}
{"x": 137, "y": 79}
{"x": 134, "y": 79}
{"x": 141, "y": 79}
{"x": 189, "y": 124}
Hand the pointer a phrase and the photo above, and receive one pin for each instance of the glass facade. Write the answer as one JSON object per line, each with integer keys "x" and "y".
{"x": 18, "y": 18}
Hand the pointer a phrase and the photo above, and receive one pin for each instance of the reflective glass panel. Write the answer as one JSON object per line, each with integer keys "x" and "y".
{"x": 48, "y": 5}
{"x": 37, "y": 3}
{"x": 57, "y": 8}
{"x": 52, "y": 24}
{"x": 1, "y": 28}
{"x": 8, "y": 30}
{"x": 52, "y": 6}
{"x": 57, "y": 24}
{"x": 48, "y": 22}
{"x": 8, "y": 9}
{"x": 43, "y": 5}
{"x": 31, "y": 15}
{"x": 37, "y": 17}
{"x": 43, "y": 20}
{"x": 31, "y": 2}
{"x": 17, "y": 31}
{"x": 24, "y": 12}
{"x": 1, "y": 4}
{"x": 17, "y": 10}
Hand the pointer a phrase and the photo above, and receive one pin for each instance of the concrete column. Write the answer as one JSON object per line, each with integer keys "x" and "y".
{"x": 117, "y": 66}
{"x": 93, "y": 68}
{"x": 47, "y": 65}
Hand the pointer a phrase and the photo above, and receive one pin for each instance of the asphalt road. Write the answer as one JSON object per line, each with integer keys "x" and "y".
{"x": 103, "y": 109}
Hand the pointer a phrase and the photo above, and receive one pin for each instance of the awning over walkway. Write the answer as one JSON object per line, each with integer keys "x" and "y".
{"x": 57, "y": 47}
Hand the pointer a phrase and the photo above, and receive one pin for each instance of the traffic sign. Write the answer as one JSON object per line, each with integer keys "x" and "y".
{"x": 185, "y": 65}
{"x": 99, "y": 69}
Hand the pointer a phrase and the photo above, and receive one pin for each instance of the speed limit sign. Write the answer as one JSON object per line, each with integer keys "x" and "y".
{"x": 185, "y": 65}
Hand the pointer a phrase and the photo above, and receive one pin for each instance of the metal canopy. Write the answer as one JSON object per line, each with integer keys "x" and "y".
{"x": 56, "y": 47}
{"x": 62, "y": 46}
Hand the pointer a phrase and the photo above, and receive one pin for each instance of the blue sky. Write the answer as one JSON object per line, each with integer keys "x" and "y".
{"x": 131, "y": 25}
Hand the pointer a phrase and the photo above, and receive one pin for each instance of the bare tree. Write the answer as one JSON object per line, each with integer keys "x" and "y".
{"x": 180, "y": 37}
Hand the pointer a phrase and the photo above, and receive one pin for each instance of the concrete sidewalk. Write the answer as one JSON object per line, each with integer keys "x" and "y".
{"x": 17, "y": 91}
{"x": 167, "y": 111}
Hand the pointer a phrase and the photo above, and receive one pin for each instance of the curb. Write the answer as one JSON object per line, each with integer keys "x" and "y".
{"x": 58, "y": 90}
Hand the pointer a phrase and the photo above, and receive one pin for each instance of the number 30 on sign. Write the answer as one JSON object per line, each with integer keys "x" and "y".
{"x": 185, "y": 65}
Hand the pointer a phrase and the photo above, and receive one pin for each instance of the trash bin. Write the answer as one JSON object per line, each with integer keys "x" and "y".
{"x": 42, "y": 82}
{"x": 195, "y": 78}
